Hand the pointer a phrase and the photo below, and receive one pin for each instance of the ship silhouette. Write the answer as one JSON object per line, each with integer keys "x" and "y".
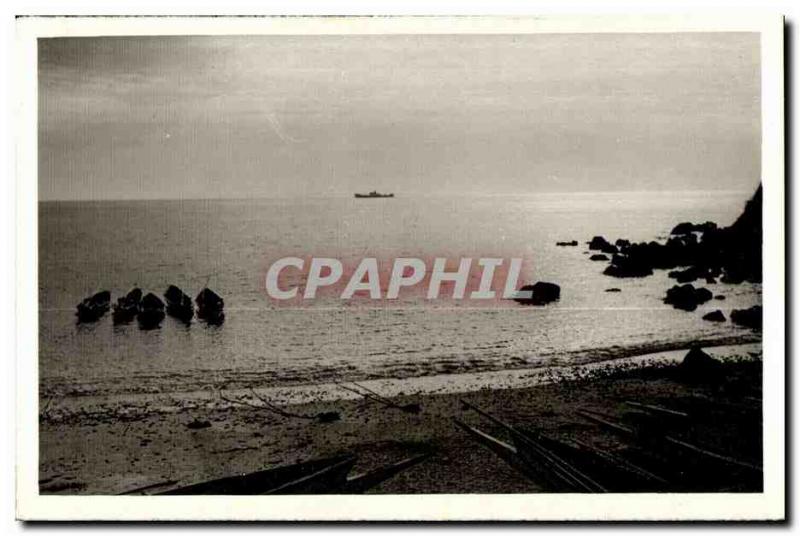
{"x": 373, "y": 195}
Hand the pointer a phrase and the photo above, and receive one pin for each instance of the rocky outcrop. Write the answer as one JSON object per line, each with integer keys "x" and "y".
{"x": 686, "y": 228}
{"x": 599, "y": 243}
{"x": 699, "y": 366}
{"x": 703, "y": 250}
{"x": 540, "y": 293}
{"x": 570, "y": 243}
{"x": 627, "y": 266}
{"x": 752, "y": 318}
{"x": 686, "y": 297}
{"x": 598, "y": 257}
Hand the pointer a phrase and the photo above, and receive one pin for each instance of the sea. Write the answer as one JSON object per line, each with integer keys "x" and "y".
{"x": 227, "y": 245}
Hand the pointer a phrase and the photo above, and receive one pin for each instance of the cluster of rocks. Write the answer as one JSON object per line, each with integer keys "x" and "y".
{"x": 149, "y": 310}
{"x": 692, "y": 252}
{"x": 703, "y": 251}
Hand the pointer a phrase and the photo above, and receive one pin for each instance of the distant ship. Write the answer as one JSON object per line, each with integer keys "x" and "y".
{"x": 372, "y": 195}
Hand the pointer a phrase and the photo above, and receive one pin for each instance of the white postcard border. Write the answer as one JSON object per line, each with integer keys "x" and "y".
{"x": 763, "y": 506}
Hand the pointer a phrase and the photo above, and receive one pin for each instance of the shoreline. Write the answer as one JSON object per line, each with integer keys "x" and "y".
{"x": 52, "y": 389}
{"x": 128, "y": 405}
{"x": 97, "y": 452}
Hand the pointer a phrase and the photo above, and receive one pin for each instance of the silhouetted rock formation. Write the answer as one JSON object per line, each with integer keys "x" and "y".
{"x": 570, "y": 243}
{"x": 714, "y": 316}
{"x": 699, "y": 366}
{"x": 179, "y": 305}
{"x": 93, "y": 307}
{"x": 151, "y": 312}
{"x": 628, "y": 266}
{"x": 686, "y": 228}
{"x": 704, "y": 250}
{"x": 542, "y": 293}
{"x": 686, "y": 297}
{"x": 601, "y": 244}
{"x": 598, "y": 257}
{"x": 750, "y": 318}
{"x": 613, "y": 290}
{"x": 127, "y": 307}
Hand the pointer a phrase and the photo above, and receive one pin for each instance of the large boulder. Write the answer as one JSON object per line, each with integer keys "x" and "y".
{"x": 628, "y": 266}
{"x": 601, "y": 244}
{"x": 682, "y": 228}
{"x": 686, "y": 297}
{"x": 699, "y": 366}
{"x": 750, "y": 318}
{"x": 686, "y": 228}
{"x": 540, "y": 293}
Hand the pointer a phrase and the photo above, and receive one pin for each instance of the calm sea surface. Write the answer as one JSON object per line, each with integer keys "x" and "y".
{"x": 227, "y": 245}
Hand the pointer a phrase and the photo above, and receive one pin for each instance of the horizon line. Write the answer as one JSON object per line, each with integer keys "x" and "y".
{"x": 397, "y": 196}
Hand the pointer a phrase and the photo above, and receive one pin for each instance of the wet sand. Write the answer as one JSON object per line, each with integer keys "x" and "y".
{"x": 92, "y": 450}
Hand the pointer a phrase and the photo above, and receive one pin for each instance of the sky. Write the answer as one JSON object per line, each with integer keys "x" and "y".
{"x": 277, "y": 116}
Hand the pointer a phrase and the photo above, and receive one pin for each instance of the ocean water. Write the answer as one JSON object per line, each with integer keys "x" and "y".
{"x": 228, "y": 245}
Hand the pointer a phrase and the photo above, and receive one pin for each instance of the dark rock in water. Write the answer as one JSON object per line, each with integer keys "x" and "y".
{"x": 598, "y": 257}
{"x": 93, "y": 307}
{"x": 703, "y": 250}
{"x": 179, "y": 305}
{"x": 614, "y": 289}
{"x": 198, "y": 424}
{"x": 686, "y": 297}
{"x": 682, "y": 228}
{"x": 541, "y": 293}
{"x": 705, "y": 227}
{"x": 714, "y": 316}
{"x": 570, "y": 243}
{"x": 127, "y": 307}
{"x": 600, "y": 243}
{"x": 752, "y": 318}
{"x": 686, "y": 228}
{"x": 210, "y": 306}
{"x": 151, "y": 312}
{"x": 719, "y": 297}
{"x": 626, "y": 266}
{"x": 699, "y": 366}
{"x": 622, "y": 244}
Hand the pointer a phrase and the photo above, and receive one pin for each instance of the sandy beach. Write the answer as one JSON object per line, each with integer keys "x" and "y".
{"x": 97, "y": 450}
